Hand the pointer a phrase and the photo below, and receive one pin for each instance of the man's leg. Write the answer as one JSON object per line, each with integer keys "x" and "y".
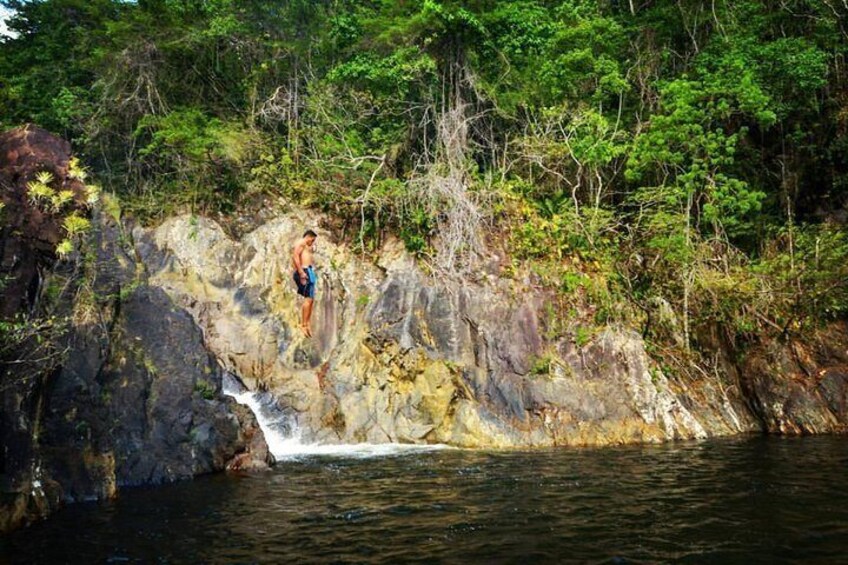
{"x": 307, "y": 316}
{"x": 304, "y": 315}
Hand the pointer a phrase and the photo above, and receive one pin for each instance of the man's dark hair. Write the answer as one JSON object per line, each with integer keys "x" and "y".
{"x": 309, "y": 233}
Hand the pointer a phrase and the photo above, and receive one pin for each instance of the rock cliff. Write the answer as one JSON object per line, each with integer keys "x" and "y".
{"x": 400, "y": 356}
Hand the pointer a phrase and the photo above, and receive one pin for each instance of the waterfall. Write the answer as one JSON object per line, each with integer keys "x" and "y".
{"x": 279, "y": 427}
{"x": 284, "y": 437}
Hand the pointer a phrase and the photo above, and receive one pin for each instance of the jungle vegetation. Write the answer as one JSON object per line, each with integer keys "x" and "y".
{"x": 679, "y": 166}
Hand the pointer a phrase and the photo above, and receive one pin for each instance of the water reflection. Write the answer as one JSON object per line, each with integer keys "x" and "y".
{"x": 753, "y": 500}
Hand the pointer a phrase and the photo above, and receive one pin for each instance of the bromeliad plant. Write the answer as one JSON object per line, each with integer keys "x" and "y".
{"x": 59, "y": 202}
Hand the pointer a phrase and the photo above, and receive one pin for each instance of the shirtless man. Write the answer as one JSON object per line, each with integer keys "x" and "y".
{"x": 304, "y": 277}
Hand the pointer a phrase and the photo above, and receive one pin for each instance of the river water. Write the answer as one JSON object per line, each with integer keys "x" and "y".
{"x": 749, "y": 500}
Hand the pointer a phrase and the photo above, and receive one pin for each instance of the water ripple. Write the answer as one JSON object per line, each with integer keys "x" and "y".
{"x": 753, "y": 500}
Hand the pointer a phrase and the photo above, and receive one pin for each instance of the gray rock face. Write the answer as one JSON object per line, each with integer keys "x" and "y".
{"x": 800, "y": 387}
{"x": 151, "y": 407}
{"x": 399, "y": 356}
{"x": 136, "y": 400}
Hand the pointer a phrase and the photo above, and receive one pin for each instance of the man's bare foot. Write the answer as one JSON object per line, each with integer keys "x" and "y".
{"x": 306, "y": 330}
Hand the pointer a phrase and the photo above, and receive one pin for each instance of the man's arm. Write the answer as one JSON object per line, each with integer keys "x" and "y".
{"x": 298, "y": 250}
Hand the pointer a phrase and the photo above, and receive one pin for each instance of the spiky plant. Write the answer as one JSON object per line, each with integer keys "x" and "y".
{"x": 92, "y": 194}
{"x": 64, "y": 248}
{"x": 39, "y": 192}
{"x": 75, "y": 225}
{"x": 44, "y": 177}
{"x": 76, "y": 171}
{"x": 61, "y": 198}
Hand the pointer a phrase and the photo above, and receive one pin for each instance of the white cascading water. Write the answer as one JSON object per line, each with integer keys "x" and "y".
{"x": 284, "y": 438}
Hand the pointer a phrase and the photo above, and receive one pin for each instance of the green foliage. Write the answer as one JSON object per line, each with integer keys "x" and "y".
{"x": 582, "y": 57}
{"x": 75, "y": 225}
{"x": 40, "y": 193}
{"x": 112, "y": 206}
{"x": 582, "y": 336}
{"x": 692, "y": 154}
{"x": 191, "y": 136}
{"x": 204, "y": 389}
{"x": 542, "y": 365}
{"x": 65, "y": 248}
{"x": 416, "y": 226}
{"x": 199, "y": 158}
{"x": 808, "y": 265}
{"x": 390, "y": 76}
{"x": 689, "y": 150}
{"x": 57, "y": 202}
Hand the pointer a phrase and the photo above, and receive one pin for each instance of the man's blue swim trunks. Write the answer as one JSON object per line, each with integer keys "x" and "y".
{"x": 308, "y": 289}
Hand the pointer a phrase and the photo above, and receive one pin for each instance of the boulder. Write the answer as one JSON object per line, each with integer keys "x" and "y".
{"x": 256, "y": 457}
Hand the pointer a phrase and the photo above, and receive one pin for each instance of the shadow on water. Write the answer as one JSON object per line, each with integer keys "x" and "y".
{"x": 752, "y": 500}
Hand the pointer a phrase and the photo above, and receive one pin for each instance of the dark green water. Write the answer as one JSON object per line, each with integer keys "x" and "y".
{"x": 755, "y": 500}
